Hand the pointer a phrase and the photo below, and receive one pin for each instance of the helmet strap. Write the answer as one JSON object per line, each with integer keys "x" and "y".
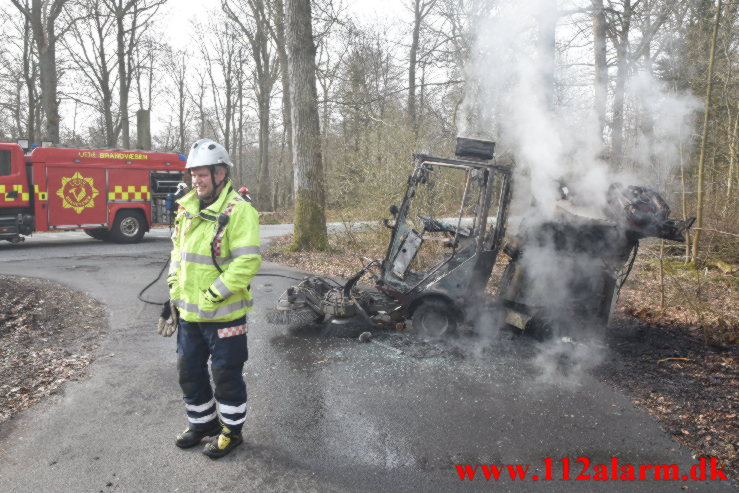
{"x": 213, "y": 193}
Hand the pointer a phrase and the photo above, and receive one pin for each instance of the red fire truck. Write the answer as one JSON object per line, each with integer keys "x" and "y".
{"x": 111, "y": 195}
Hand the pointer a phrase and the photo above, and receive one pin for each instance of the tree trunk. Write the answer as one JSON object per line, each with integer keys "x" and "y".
{"x": 123, "y": 79}
{"x": 264, "y": 193}
{"x": 622, "y": 53}
{"x": 288, "y": 126}
{"x": 265, "y": 83}
{"x": 29, "y": 75}
{"x": 310, "y": 200}
{"x": 733, "y": 141}
{"x": 240, "y": 126}
{"x": 143, "y": 130}
{"x": 600, "y": 89}
{"x": 279, "y": 29}
{"x": 201, "y": 107}
{"x": 684, "y": 200}
{"x": 229, "y": 93}
{"x": 100, "y": 67}
{"x": 258, "y": 36}
{"x": 181, "y": 104}
{"x": 704, "y": 139}
{"x": 415, "y": 37}
{"x": 18, "y": 127}
{"x": 107, "y": 103}
{"x": 44, "y": 33}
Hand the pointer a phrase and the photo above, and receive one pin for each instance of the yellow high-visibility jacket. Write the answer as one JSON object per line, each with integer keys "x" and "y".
{"x": 197, "y": 288}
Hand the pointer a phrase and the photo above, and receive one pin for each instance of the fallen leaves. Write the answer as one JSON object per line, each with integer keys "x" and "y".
{"x": 45, "y": 340}
{"x": 691, "y": 388}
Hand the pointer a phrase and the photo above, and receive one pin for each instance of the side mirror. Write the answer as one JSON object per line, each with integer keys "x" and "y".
{"x": 394, "y": 210}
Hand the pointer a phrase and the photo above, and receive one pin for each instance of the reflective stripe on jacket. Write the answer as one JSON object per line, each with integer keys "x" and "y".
{"x": 201, "y": 293}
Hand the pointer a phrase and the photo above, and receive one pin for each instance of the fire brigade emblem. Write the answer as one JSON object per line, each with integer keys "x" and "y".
{"x": 77, "y": 192}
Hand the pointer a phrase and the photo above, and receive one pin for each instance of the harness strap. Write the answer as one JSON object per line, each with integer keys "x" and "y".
{"x": 222, "y": 222}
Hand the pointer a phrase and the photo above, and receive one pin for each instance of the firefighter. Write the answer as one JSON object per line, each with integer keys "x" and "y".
{"x": 214, "y": 258}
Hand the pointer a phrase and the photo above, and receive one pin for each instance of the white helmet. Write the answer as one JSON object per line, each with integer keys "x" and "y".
{"x": 207, "y": 152}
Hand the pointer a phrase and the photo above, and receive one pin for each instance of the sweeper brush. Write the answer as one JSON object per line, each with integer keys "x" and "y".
{"x": 293, "y": 318}
{"x": 301, "y": 305}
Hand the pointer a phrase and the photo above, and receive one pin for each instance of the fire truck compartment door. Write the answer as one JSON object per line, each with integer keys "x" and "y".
{"x": 77, "y": 197}
{"x": 14, "y": 191}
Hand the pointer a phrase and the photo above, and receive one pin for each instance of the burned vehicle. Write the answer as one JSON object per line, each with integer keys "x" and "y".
{"x": 565, "y": 272}
{"x": 445, "y": 238}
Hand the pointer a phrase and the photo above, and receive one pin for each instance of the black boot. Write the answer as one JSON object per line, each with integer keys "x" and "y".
{"x": 223, "y": 443}
{"x": 191, "y": 437}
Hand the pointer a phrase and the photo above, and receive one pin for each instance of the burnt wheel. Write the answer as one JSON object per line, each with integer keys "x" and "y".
{"x": 435, "y": 319}
{"x": 128, "y": 227}
{"x": 98, "y": 233}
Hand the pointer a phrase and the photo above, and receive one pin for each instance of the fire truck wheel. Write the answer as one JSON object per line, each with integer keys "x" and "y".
{"x": 128, "y": 227}
{"x": 98, "y": 233}
{"x": 434, "y": 319}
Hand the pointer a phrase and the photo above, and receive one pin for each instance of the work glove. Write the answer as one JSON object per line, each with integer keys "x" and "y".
{"x": 168, "y": 319}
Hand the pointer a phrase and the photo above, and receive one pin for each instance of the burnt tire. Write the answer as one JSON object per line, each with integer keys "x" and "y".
{"x": 435, "y": 319}
{"x": 128, "y": 227}
{"x": 98, "y": 233}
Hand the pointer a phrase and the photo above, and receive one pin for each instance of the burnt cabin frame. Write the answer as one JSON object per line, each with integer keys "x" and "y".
{"x": 455, "y": 286}
{"x": 460, "y": 278}
{"x": 598, "y": 251}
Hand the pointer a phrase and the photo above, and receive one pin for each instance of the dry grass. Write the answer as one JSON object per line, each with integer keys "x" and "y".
{"x": 348, "y": 252}
{"x": 703, "y": 301}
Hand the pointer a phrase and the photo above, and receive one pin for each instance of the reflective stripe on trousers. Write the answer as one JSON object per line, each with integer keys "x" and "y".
{"x": 196, "y": 343}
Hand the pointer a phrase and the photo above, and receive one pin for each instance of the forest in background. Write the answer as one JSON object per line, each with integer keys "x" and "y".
{"x": 88, "y": 73}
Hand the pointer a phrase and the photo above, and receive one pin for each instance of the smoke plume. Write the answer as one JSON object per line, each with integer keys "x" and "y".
{"x": 540, "y": 109}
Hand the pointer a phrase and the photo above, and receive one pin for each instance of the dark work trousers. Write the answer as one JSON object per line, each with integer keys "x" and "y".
{"x": 225, "y": 344}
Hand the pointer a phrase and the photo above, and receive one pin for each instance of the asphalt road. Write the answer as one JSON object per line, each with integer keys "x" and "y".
{"x": 324, "y": 414}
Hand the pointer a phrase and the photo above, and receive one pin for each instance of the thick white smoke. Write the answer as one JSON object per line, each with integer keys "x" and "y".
{"x": 664, "y": 136}
{"x": 528, "y": 102}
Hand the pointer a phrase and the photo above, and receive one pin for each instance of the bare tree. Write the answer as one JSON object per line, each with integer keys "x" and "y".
{"x": 176, "y": 64}
{"x": 17, "y": 43}
{"x": 253, "y": 19}
{"x": 132, "y": 18}
{"x": 198, "y": 99}
{"x": 277, "y": 30}
{"x": 619, "y": 34}
{"x": 147, "y": 54}
{"x": 91, "y": 48}
{"x": 704, "y": 137}
{"x": 421, "y": 9}
{"x": 219, "y": 52}
{"x": 310, "y": 199}
{"x": 456, "y": 35}
{"x": 42, "y": 16}
{"x": 619, "y": 23}
{"x": 600, "y": 89}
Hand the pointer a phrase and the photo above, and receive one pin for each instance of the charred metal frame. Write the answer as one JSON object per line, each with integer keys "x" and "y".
{"x": 605, "y": 250}
{"x": 457, "y": 281}
{"x": 461, "y": 276}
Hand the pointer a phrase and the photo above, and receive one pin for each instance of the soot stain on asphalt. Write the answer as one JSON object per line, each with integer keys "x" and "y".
{"x": 692, "y": 389}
